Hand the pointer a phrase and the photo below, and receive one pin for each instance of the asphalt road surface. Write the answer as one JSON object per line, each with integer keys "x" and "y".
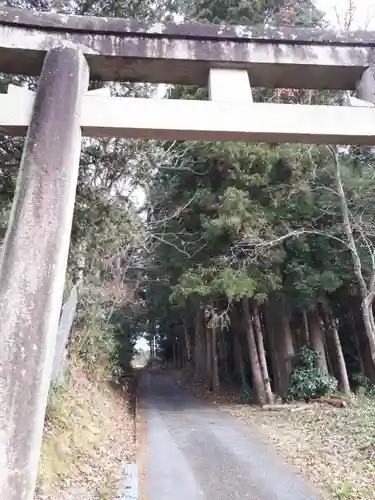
{"x": 196, "y": 452}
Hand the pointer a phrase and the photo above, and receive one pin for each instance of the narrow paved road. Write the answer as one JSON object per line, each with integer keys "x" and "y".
{"x": 196, "y": 452}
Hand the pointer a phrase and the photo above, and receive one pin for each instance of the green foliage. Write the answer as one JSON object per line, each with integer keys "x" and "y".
{"x": 246, "y": 394}
{"x": 214, "y": 282}
{"x": 234, "y": 284}
{"x": 306, "y": 380}
{"x": 106, "y": 221}
{"x": 306, "y": 358}
{"x": 101, "y": 334}
{"x": 216, "y": 208}
{"x": 55, "y": 394}
{"x": 249, "y": 12}
{"x": 363, "y": 384}
{"x": 99, "y": 347}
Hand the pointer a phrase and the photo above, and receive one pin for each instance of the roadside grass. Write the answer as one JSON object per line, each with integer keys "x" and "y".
{"x": 88, "y": 434}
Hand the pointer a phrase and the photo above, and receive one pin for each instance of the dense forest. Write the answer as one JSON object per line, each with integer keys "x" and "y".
{"x": 250, "y": 263}
{"x": 265, "y": 271}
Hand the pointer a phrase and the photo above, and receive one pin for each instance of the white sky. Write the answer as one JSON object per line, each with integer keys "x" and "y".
{"x": 142, "y": 344}
{"x": 364, "y": 15}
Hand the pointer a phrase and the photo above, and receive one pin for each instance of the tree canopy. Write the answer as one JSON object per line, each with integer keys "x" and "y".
{"x": 240, "y": 254}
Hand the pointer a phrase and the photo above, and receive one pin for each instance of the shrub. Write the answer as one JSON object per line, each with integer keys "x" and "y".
{"x": 307, "y": 381}
{"x": 98, "y": 338}
{"x": 246, "y": 394}
{"x": 364, "y": 385}
{"x": 100, "y": 347}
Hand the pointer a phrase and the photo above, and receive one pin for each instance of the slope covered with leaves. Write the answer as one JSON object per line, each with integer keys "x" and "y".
{"x": 89, "y": 435}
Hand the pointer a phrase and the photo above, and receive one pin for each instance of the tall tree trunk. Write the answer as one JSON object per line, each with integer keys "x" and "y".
{"x": 179, "y": 360}
{"x": 368, "y": 320}
{"x": 262, "y": 354}
{"x": 285, "y": 345}
{"x": 317, "y": 339}
{"x": 340, "y": 360}
{"x": 269, "y": 317}
{"x": 367, "y": 293}
{"x": 215, "y": 364}
{"x": 281, "y": 343}
{"x": 368, "y": 365}
{"x": 344, "y": 380}
{"x": 239, "y": 360}
{"x": 223, "y": 350}
{"x": 371, "y": 313}
{"x": 175, "y": 360}
{"x": 199, "y": 345}
{"x": 209, "y": 375}
{"x": 187, "y": 343}
{"x": 357, "y": 342}
{"x": 331, "y": 355}
{"x": 258, "y": 384}
{"x": 305, "y": 330}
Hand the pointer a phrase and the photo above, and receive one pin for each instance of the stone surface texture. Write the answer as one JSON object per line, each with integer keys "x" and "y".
{"x": 111, "y": 25}
{"x": 119, "y": 49}
{"x": 222, "y": 119}
{"x": 33, "y": 265}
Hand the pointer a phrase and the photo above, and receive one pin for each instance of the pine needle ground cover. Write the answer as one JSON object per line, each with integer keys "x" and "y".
{"x": 334, "y": 448}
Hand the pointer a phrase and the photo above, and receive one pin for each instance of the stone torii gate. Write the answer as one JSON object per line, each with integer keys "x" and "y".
{"x": 68, "y": 50}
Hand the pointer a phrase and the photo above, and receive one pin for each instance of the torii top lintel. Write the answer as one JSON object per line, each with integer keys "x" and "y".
{"x": 119, "y": 49}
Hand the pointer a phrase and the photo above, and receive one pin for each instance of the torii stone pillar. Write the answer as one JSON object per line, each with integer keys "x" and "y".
{"x": 33, "y": 265}
{"x": 366, "y": 85}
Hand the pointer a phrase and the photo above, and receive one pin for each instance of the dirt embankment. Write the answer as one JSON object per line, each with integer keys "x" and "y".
{"x": 89, "y": 434}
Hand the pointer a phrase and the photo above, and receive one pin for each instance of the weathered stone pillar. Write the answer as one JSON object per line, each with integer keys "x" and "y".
{"x": 366, "y": 85}
{"x": 33, "y": 266}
